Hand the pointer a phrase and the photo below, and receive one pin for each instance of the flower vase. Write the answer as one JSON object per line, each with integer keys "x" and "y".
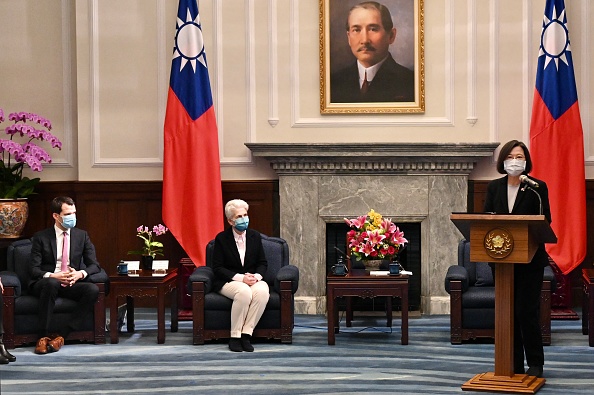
{"x": 372, "y": 265}
{"x": 147, "y": 262}
{"x": 13, "y": 217}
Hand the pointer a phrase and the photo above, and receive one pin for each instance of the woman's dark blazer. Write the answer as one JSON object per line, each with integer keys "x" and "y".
{"x": 226, "y": 260}
{"x": 527, "y": 202}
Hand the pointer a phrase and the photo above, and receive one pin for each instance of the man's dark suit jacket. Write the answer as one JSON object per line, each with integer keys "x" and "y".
{"x": 392, "y": 83}
{"x": 226, "y": 260}
{"x": 44, "y": 250}
{"x": 526, "y": 203}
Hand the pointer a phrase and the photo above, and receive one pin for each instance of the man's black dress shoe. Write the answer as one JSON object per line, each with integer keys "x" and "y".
{"x": 246, "y": 343}
{"x": 235, "y": 344}
{"x": 534, "y": 371}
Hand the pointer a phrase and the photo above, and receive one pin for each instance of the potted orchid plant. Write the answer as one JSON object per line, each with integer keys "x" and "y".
{"x": 151, "y": 247}
{"x": 15, "y": 154}
{"x": 18, "y": 151}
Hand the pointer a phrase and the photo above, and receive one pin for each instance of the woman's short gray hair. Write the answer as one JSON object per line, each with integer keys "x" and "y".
{"x": 233, "y": 205}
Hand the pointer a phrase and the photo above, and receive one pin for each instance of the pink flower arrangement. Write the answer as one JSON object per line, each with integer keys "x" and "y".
{"x": 151, "y": 246}
{"x": 15, "y": 155}
{"x": 374, "y": 237}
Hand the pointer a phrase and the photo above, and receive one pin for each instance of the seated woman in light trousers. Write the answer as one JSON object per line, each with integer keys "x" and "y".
{"x": 239, "y": 265}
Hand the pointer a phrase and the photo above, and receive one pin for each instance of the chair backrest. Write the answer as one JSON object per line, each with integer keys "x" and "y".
{"x": 275, "y": 249}
{"x": 479, "y": 273}
{"x": 18, "y": 261}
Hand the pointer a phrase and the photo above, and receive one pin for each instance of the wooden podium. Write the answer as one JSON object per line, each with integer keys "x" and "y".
{"x": 505, "y": 240}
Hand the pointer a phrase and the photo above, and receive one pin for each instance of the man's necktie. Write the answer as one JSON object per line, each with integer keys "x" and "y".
{"x": 65, "y": 249}
{"x": 365, "y": 85}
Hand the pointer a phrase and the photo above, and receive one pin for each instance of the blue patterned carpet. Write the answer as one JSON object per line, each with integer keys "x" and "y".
{"x": 367, "y": 359}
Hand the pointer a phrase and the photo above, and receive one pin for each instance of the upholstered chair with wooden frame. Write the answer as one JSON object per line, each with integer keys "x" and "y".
{"x": 472, "y": 299}
{"x": 212, "y": 311}
{"x": 21, "y": 308}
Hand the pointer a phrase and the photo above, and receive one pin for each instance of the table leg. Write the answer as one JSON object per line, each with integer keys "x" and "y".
{"x": 331, "y": 316}
{"x": 160, "y": 316}
{"x": 113, "y": 318}
{"x": 389, "y": 311}
{"x": 590, "y": 315}
{"x": 404, "y": 315}
{"x": 349, "y": 311}
{"x": 174, "y": 311}
{"x": 130, "y": 313}
{"x": 585, "y": 307}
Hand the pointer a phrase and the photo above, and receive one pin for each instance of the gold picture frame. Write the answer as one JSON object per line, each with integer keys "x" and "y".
{"x": 396, "y": 89}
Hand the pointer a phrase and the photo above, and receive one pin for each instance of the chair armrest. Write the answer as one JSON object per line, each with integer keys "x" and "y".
{"x": 203, "y": 274}
{"x": 458, "y": 273}
{"x": 99, "y": 278}
{"x": 549, "y": 275}
{"x": 287, "y": 273}
{"x": 10, "y": 279}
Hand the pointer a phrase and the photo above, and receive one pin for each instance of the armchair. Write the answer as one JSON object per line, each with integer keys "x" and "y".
{"x": 212, "y": 311}
{"x": 20, "y": 307}
{"x": 472, "y": 299}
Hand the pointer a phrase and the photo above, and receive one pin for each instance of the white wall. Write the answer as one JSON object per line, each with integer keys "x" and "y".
{"x": 99, "y": 69}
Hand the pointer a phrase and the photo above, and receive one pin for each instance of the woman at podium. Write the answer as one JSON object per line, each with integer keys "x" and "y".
{"x": 515, "y": 193}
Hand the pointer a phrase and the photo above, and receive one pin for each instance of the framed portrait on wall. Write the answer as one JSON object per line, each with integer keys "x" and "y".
{"x": 371, "y": 56}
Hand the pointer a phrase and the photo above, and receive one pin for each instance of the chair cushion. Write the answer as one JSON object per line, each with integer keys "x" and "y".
{"x": 30, "y": 305}
{"x": 484, "y": 275}
{"x": 478, "y": 318}
{"x": 479, "y": 297}
{"x": 464, "y": 260}
{"x": 277, "y": 255}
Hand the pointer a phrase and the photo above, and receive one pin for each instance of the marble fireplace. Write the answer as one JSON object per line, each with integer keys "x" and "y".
{"x": 408, "y": 182}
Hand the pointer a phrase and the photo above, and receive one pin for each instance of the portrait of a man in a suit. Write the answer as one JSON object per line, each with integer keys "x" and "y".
{"x": 374, "y": 76}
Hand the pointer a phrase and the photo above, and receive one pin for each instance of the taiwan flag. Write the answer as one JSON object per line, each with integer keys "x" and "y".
{"x": 192, "y": 198}
{"x": 556, "y": 139}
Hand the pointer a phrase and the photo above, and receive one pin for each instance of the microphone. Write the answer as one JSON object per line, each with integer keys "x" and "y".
{"x": 531, "y": 184}
{"x": 526, "y": 180}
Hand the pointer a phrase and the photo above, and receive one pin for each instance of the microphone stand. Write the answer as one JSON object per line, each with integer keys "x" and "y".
{"x": 526, "y": 186}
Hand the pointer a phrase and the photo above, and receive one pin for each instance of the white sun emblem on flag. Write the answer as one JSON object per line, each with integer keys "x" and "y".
{"x": 554, "y": 41}
{"x": 189, "y": 43}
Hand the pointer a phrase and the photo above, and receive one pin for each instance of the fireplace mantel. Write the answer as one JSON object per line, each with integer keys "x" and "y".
{"x": 373, "y": 158}
{"x": 413, "y": 182}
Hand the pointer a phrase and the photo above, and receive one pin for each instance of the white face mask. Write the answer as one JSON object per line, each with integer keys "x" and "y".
{"x": 514, "y": 167}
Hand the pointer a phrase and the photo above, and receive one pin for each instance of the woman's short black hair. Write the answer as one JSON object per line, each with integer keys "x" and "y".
{"x": 506, "y": 149}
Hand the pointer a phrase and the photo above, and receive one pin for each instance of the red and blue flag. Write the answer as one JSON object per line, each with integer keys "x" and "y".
{"x": 192, "y": 197}
{"x": 556, "y": 139}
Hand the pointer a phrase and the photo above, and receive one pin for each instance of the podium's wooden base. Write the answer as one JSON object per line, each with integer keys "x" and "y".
{"x": 516, "y": 384}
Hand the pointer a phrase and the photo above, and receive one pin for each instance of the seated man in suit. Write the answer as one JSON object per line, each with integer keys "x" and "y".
{"x": 56, "y": 257}
{"x": 239, "y": 265}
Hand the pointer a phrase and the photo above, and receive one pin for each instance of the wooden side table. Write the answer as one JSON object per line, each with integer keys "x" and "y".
{"x": 588, "y": 305}
{"x": 359, "y": 283}
{"x": 144, "y": 284}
